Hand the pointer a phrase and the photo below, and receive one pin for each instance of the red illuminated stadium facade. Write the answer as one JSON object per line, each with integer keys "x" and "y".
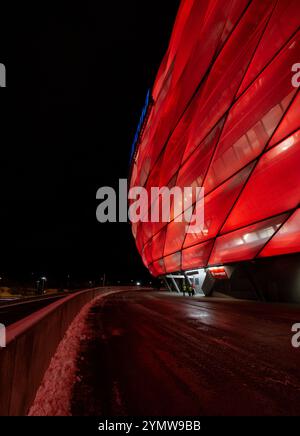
{"x": 225, "y": 115}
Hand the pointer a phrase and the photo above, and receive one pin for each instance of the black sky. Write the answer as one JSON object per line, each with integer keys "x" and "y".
{"x": 77, "y": 76}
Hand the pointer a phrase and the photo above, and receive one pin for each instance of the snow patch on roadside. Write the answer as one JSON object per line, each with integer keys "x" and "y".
{"x": 53, "y": 397}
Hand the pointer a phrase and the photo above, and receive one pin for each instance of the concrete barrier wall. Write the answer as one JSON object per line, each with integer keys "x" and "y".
{"x": 31, "y": 343}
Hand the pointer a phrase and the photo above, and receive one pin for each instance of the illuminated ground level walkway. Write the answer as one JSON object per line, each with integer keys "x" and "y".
{"x": 150, "y": 353}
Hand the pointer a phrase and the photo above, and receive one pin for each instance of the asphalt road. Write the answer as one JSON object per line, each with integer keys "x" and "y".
{"x": 19, "y": 309}
{"x": 154, "y": 354}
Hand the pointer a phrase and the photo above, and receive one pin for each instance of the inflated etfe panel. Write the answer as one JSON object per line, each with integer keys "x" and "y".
{"x": 225, "y": 116}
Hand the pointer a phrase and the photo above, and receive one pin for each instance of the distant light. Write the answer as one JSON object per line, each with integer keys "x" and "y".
{"x": 138, "y": 283}
{"x": 44, "y": 278}
{"x": 218, "y": 272}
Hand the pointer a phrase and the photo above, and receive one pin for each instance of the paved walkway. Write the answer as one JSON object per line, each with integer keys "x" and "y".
{"x": 152, "y": 354}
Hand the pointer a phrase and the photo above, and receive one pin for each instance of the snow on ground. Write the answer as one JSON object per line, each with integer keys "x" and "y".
{"x": 54, "y": 394}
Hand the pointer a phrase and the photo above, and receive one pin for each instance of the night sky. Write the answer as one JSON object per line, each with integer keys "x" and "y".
{"x": 77, "y": 77}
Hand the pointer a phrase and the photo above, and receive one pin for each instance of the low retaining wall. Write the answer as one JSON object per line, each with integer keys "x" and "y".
{"x": 31, "y": 343}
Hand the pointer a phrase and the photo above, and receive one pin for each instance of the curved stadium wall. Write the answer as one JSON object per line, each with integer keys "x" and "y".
{"x": 225, "y": 115}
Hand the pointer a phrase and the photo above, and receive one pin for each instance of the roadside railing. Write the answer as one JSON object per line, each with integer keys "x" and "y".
{"x": 30, "y": 345}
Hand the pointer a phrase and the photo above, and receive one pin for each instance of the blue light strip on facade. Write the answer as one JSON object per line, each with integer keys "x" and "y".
{"x": 140, "y": 124}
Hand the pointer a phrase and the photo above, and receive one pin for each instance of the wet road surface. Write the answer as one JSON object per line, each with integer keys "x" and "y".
{"x": 148, "y": 353}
